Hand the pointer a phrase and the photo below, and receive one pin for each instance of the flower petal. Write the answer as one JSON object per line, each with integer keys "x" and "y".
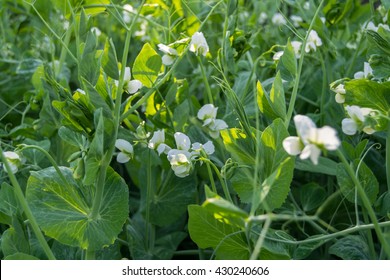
{"x": 183, "y": 142}
{"x": 349, "y": 126}
{"x": 303, "y": 125}
{"x": 167, "y": 59}
{"x": 209, "y": 148}
{"x": 328, "y": 137}
{"x": 207, "y": 111}
{"x": 134, "y": 86}
{"x": 292, "y": 145}
{"x": 124, "y": 146}
{"x": 122, "y": 158}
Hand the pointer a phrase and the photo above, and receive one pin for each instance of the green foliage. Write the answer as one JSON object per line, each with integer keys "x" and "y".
{"x": 63, "y": 208}
{"x": 351, "y": 247}
{"x": 146, "y": 66}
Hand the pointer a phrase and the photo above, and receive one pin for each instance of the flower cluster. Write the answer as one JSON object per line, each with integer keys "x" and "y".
{"x": 169, "y": 54}
{"x": 181, "y": 158}
{"x": 310, "y": 140}
{"x": 313, "y": 41}
{"x": 208, "y": 114}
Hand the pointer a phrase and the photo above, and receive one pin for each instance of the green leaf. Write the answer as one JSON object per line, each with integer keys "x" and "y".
{"x": 287, "y": 65}
{"x": 274, "y": 250}
{"x": 98, "y": 99}
{"x": 324, "y": 166}
{"x": 224, "y": 209}
{"x": 238, "y": 145}
{"x": 305, "y": 249}
{"x": 14, "y": 241}
{"x": 312, "y": 196}
{"x": 274, "y": 175}
{"x": 9, "y": 204}
{"x": 171, "y": 200}
{"x": 369, "y": 94}
{"x": 71, "y": 137}
{"x": 366, "y": 178}
{"x": 273, "y": 105}
{"x": 147, "y": 65}
{"x": 20, "y": 256}
{"x": 110, "y": 61}
{"x": 206, "y": 231}
{"x": 35, "y": 156}
{"x": 89, "y": 66}
{"x": 63, "y": 209}
{"x": 351, "y": 247}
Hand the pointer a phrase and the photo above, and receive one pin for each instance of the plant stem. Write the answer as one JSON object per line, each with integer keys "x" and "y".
{"x": 26, "y": 208}
{"x": 366, "y": 203}
{"x": 260, "y": 240}
{"x": 223, "y": 183}
{"x": 49, "y": 157}
{"x": 369, "y": 236}
{"x": 149, "y": 229}
{"x": 211, "y": 177}
{"x": 206, "y": 82}
{"x": 90, "y": 254}
{"x": 300, "y": 64}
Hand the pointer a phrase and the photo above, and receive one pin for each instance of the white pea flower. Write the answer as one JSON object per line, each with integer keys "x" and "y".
{"x": 183, "y": 142}
{"x": 126, "y": 150}
{"x": 340, "y": 93}
{"x": 297, "y": 48}
{"x": 367, "y": 71}
{"x": 310, "y": 140}
{"x": 357, "y": 121}
{"x": 157, "y": 142}
{"x": 263, "y": 18}
{"x": 371, "y": 26}
{"x": 132, "y": 86}
{"x": 313, "y": 41}
{"x": 127, "y": 9}
{"x": 198, "y": 44}
{"x": 278, "y": 19}
{"x": 306, "y": 6}
{"x": 207, "y": 147}
{"x": 180, "y": 162}
{"x": 96, "y": 31}
{"x": 14, "y": 161}
{"x": 169, "y": 54}
{"x": 208, "y": 114}
{"x": 216, "y": 126}
{"x": 277, "y": 55}
{"x": 296, "y": 20}
{"x": 79, "y": 90}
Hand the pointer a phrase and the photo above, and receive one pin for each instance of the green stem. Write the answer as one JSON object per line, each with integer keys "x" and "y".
{"x": 260, "y": 240}
{"x": 23, "y": 202}
{"x": 366, "y": 203}
{"x": 369, "y": 236}
{"x": 211, "y": 177}
{"x": 90, "y": 254}
{"x": 49, "y": 157}
{"x": 206, "y": 82}
{"x": 223, "y": 183}
{"x": 149, "y": 229}
{"x": 300, "y": 64}
{"x": 324, "y": 86}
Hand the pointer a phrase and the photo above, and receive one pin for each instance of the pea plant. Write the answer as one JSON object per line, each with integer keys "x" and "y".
{"x": 218, "y": 129}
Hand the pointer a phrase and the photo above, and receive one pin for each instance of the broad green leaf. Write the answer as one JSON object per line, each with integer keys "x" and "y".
{"x": 366, "y": 178}
{"x": 167, "y": 245}
{"x": 9, "y": 204}
{"x": 383, "y": 204}
{"x": 354, "y": 152}
{"x": 88, "y": 5}
{"x": 180, "y": 115}
{"x": 274, "y": 250}
{"x": 276, "y": 97}
{"x": 14, "y": 241}
{"x": 146, "y": 66}
{"x": 109, "y": 60}
{"x": 324, "y": 166}
{"x": 305, "y": 249}
{"x": 63, "y": 209}
{"x": 275, "y": 172}
{"x": 238, "y": 145}
{"x": 287, "y": 65}
{"x": 369, "y": 94}
{"x": 75, "y": 116}
{"x": 71, "y": 137}
{"x": 312, "y": 196}
{"x": 20, "y": 256}
{"x": 206, "y": 231}
{"x": 97, "y": 99}
{"x": 386, "y": 3}
{"x": 352, "y": 247}
{"x": 35, "y": 156}
{"x": 171, "y": 200}
{"x": 223, "y": 209}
